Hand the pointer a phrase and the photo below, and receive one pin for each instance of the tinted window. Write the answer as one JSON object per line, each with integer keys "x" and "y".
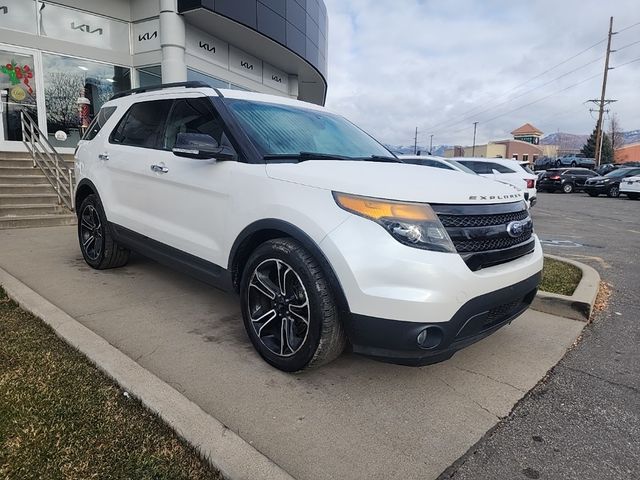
{"x": 192, "y": 115}
{"x": 143, "y": 125}
{"x": 478, "y": 167}
{"x": 499, "y": 168}
{"x": 98, "y": 122}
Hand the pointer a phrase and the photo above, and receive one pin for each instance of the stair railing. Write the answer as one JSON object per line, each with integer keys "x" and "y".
{"x": 46, "y": 158}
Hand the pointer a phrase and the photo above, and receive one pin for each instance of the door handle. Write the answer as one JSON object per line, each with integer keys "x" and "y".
{"x": 159, "y": 169}
{"x": 103, "y": 156}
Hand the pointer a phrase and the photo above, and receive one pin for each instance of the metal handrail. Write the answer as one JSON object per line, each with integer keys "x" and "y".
{"x": 46, "y": 158}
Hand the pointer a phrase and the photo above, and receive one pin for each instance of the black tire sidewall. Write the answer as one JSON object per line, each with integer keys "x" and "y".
{"x": 570, "y": 185}
{"x": 303, "y": 357}
{"x": 613, "y": 192}
{"x": 94, "y": 201}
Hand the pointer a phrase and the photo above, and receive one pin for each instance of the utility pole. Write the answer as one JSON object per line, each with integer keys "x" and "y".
{"x": 415, "y": 143}
{"x": 599, "y": 133}
{"x": 431, "y": 144}
{"x": 473, "y": 149}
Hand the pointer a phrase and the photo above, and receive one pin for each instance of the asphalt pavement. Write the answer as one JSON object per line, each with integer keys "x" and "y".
{"x": 583, "y": 420}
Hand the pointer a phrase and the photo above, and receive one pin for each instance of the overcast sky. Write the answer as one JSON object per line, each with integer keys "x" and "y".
{"x": 441, "y": 65}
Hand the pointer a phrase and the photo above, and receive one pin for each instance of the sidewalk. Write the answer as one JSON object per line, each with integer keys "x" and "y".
{"x": 354, "y": 418}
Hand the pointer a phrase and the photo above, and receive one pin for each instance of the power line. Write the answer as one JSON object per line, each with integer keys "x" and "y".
{"x": 463, "y": 116}
{"x": 449, "y": 124}
{"x": 627, "y": 28}
{"x": 626, "y": 63}
{"x": 626, "y": 46}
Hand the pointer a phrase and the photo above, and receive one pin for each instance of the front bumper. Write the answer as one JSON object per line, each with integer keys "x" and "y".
{"x": 599, "y": 189}
{"x": 416, "y": 344}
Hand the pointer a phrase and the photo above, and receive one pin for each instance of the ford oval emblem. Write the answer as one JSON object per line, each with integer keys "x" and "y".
{"x": 516, "y": 229}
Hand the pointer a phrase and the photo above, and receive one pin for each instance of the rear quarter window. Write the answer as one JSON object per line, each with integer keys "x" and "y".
{"x": 98, "y": 122}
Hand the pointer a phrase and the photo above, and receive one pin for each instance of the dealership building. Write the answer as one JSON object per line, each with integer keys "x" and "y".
{"x": 61, "y": 60}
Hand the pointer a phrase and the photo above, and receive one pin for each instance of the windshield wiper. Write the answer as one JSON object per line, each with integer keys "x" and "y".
{"x": 302, "y": 156}
{"x": 381, "y": 158}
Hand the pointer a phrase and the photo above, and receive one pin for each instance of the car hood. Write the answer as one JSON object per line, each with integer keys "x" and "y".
{"x": 594, "y": 179}
{"x": 395, "y": 181}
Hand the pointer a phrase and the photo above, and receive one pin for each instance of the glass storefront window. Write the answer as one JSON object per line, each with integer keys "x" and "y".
{"x": 149, "y": 76}
{"x": 17, "y": 93}
{"x": 74, "y": 91}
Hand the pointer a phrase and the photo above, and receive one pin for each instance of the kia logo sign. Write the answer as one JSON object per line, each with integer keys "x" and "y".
{"x": 85, "y": 28}
{"x": 208, "y": 48}
{"x": 147, "y": 36}
{"x": 276, "y": 78}
{"x": 246, "y": 65}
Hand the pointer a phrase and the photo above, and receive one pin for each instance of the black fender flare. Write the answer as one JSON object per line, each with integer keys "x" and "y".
{"x": 289, "y": 229}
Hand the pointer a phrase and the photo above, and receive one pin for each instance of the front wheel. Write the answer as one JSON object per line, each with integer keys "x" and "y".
{"x": 573, "y": 164}
{"x": 97, "y": 244}
{"x": 288, "y": 307}
{"x": 567, "y": 188}
{"x": 613, "y": 192}
{"x": 558, "y": 163}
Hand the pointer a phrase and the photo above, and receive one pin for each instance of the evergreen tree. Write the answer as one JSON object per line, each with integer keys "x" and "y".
{"x": 589, "y": 148}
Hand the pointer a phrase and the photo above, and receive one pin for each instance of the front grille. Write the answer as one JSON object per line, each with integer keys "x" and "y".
{"x": 466, "y": 246}
{"x": 481, "y": 235}
{"x": 481, "y": 220}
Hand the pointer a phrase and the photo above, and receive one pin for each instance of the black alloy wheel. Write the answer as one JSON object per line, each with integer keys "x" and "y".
{"x": 289, "y": 308}
{"x": 99, "y": 249}
{"x": 91, "y": 232}
{"x": 614, "y": 191}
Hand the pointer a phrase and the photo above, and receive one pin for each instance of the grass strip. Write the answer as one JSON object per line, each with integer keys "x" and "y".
{"x": 559, "y": 277}
{"x": 61, "y": 418}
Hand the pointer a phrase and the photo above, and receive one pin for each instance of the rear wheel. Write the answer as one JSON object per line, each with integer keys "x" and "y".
{"x": 573, "y": 164}
{"x": 613, "y": 192}
{"x": 98, "y": 247}
{"x": 558, "y": 163}
{"x": 567, "y": 187}
{"x": 288, "y": 308}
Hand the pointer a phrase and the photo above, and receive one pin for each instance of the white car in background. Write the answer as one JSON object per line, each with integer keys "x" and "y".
{"x": 504, "y": 170}
{"x": 436, "y": 162}
{"x": 630, "y": 187}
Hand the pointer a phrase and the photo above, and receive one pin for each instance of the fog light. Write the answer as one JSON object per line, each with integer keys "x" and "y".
{"x": 430, "y": 337}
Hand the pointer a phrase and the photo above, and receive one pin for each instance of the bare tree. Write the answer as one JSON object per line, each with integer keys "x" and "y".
{"x": 61, "y": 95}
{"x": 615, "y": 132}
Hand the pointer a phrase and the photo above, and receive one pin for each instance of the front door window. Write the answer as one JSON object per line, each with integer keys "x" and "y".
{"x": 17, "y": 93}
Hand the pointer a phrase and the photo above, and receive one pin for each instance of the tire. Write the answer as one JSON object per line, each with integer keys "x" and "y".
{"x": 558, "y": 163}
{"x": 633, "y": 196}
{"x": 567, "y": 188}
{"x": 593, "y": 194}
{"x": 573, "y": 164}
{"x": 613, "y": 192}
{"x": 103, "y": 251}
{"x": 280, "y": 278}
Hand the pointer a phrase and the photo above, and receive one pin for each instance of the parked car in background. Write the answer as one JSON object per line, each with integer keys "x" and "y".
{"x": 504, "y": 170}
{"x": 575, "y": 161}
{"x": 630, "y": 187}
{"x": 437, "y": 162}
{"x": 610, "y": 183}
{"x": 543, "y": 163}
{"x": 606, "y": 168}
{"x": 326, "y": 236}
{"x": 566, "y": 180}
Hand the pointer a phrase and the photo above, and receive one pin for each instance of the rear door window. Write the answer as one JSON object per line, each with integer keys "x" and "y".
{"x": 143, "y": 125}
{"x": 478, "y": 167}
{"x": 499, "y": 168}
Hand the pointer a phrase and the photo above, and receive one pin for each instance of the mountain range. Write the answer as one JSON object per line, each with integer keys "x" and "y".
{"x": 567, "y": 141}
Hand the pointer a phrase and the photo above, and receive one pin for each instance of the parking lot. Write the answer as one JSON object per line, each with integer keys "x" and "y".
{"x": 355, "y": 418}
{"x": 582, "y": 421}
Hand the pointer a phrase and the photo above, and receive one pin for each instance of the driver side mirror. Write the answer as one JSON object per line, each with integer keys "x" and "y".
{"x": 201, "y": 146}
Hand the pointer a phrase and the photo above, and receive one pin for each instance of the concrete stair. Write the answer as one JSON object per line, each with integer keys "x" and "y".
{"x": 26, "y": 197}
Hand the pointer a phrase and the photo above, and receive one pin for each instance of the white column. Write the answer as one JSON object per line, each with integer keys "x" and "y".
{"x": 172, "y": 42}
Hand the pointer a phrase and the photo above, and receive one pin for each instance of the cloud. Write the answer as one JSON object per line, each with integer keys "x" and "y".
{"x": 398, "y": 64}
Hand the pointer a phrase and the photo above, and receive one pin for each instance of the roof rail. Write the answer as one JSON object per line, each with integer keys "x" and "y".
{"x": 193, "y": 84}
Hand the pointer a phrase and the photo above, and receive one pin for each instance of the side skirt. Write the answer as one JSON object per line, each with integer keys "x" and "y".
{"x": 196, "y": 267}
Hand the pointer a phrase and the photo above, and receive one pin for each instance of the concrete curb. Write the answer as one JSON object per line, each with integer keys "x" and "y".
{"x": 577, "y": 306}
{"x": 233, "y": 456}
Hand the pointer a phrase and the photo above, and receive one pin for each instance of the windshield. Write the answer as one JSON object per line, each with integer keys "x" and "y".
{"x": 618, "y": 173}
{"x": 462, "y": 167}
{"x": 286, "y": 130}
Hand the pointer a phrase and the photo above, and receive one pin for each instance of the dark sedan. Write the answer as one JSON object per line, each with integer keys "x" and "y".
{"x": 566, "y": 180}
{"x": 610, "y": 183}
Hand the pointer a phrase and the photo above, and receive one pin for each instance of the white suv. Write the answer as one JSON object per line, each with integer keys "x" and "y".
{"x": 327, "y": 237}
{"x": 513, "y": 172}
